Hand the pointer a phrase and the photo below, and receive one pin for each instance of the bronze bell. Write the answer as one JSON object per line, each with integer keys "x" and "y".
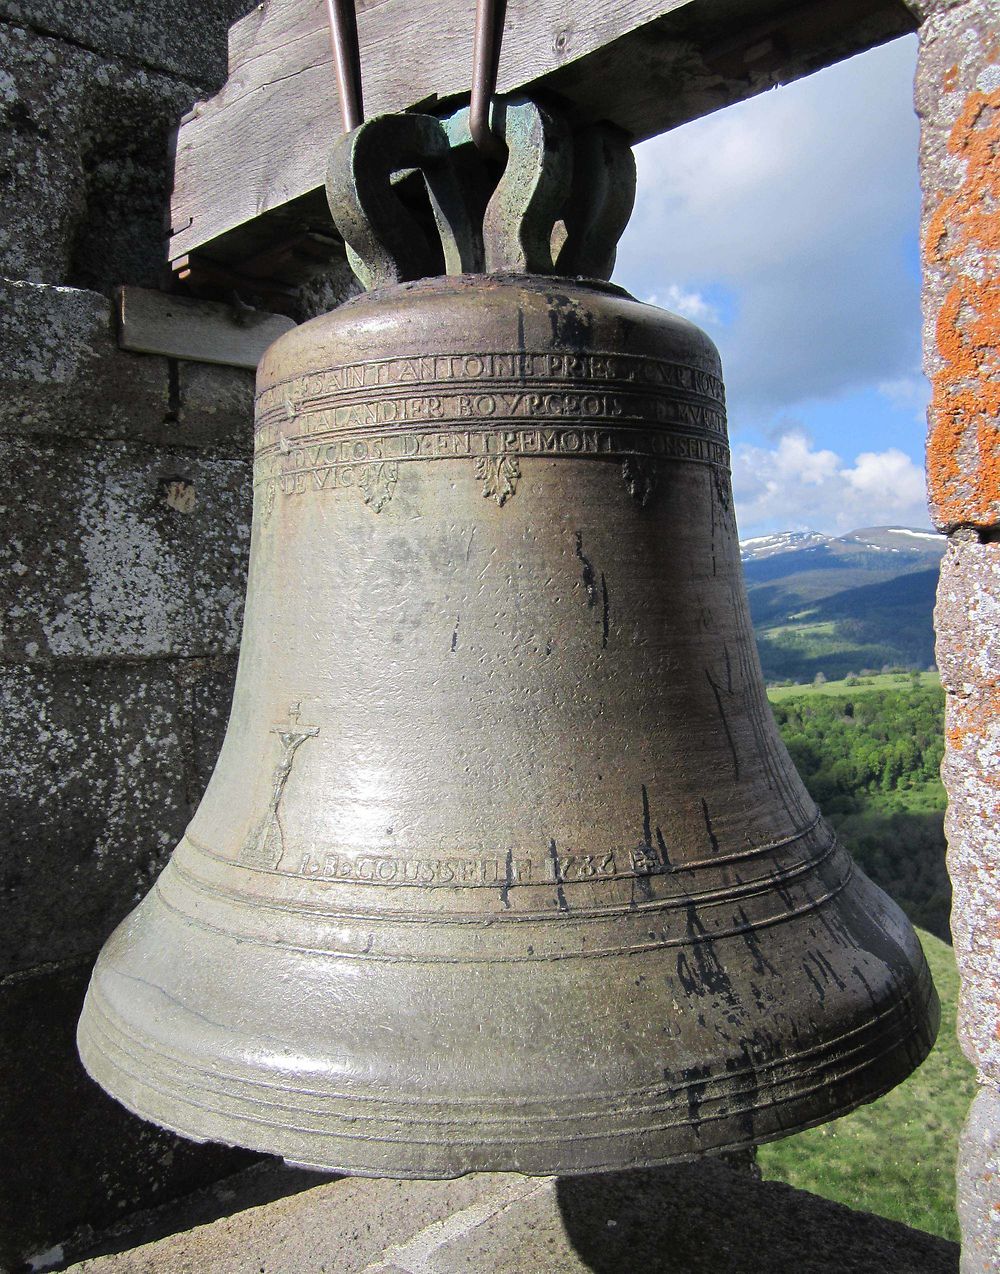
{"x": 503, "y": 865}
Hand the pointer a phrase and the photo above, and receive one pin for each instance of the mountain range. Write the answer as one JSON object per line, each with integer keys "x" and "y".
{"x": 841, "y": 604}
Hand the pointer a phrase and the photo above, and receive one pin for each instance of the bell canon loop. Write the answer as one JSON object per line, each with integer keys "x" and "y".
{"x": 503, "y": 865}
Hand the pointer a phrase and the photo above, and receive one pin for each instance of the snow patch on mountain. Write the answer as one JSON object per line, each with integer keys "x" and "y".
{"x": 878, "y": 539}
{"x": 761, "y": 546}
{"x": 920, "y": 535}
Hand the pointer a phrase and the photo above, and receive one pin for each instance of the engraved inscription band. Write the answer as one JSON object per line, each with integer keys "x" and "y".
{"x": 352, "y": 426}
{"x": 536, "y": 371}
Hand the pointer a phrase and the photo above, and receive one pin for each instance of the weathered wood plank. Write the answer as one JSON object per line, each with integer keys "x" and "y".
{"x": 263, "y": 139}
{"x": 269, "y": 26}
{"x": 647, "y": 65}
{"x": 200, "y": 331}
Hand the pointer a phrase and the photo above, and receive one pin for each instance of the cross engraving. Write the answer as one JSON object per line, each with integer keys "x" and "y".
{"x": 266, "y": 843}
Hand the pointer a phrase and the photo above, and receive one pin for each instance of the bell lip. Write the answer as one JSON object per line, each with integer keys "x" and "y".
{"x": 514, "y": 1161}
{"x": 139, "y": 1079}
{"x": 560, "y": 1168}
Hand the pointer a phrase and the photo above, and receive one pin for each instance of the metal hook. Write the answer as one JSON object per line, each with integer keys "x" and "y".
{"x": 343, "y": 21}
{"x": 485, "y": 63}
{"x": 385, "y": 243}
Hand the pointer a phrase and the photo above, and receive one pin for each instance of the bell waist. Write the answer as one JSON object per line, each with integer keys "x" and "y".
{"x": 505, "y": 919}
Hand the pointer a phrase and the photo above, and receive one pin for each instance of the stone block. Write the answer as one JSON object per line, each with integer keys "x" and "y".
{"x": 61, "y": 371}
{"x": 85, "y": 161}
{"x": 73, "y": 1157}
{"x": 325, "y": 290}
{"x": 967, "y": 614}
{"x": 215, "y": 407}
{"x": 979, "y": 1184}
{"x": 958, "y": 100}
{"x": 101, "y": 769}
{"x": 185, "y": 37}
{"x": 701, "y": 1218}
{"x": 115, "y": 551}
{"x": 207, "y": 687}
{"x": 967, "y": 619}
{"x": 970, "y": 771}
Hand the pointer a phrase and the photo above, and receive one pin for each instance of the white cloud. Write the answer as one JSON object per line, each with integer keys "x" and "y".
{"x": 794, "y": 487}
{"x": 802, "y": 205}
{"x": 886, "y": 480}
{"x": 686, "y": 302}
{"x": 907, "y": 393}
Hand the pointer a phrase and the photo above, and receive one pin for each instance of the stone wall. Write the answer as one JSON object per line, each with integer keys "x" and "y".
{"x": 958, "y": 100}
{"x": 124, "y": 488}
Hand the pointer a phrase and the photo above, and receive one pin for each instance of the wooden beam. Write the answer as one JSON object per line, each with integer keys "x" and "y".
{"x": 200, "y": 331}
{"x": 258, "y": 149}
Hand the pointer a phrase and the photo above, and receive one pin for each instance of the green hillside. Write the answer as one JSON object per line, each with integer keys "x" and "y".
{"x": 870, "y": 758}
{"x": 887, "y": 623}
{"x": 869, "y": 751}
{"x": 896, "y": 1156}
{"x": 842, "y": 605}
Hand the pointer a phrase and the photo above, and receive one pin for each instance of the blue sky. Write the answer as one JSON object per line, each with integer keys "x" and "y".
{"x": 787, "y": 227}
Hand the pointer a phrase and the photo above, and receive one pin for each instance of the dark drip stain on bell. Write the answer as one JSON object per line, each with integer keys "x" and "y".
{"x": 520, "y": 976}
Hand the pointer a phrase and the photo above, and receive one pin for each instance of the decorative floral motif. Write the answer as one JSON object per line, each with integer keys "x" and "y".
{"x": 377, "y": 483}
{"x": 640, "y": 478}
{"x": 499, "y": 475}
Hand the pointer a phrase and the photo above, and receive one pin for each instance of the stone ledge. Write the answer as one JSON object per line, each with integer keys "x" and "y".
{"x": 63, "y": 374}
{"x": 701, "y": 1218}
{"x": 186, "y": 38}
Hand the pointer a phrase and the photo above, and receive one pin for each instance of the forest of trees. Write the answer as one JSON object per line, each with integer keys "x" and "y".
{"x": 871, "y": 762}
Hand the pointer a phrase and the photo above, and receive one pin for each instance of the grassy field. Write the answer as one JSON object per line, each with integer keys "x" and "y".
{"x": 895, "y": 1157}
{"x": 880, "y": 681}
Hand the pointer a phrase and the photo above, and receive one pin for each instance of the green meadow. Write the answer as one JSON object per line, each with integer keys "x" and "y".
{"x": 896, "y": 1156}
{"x": 856, "y": 685}
{"x": 869, "y": 750}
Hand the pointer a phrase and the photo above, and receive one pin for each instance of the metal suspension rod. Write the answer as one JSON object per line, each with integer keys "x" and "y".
{"x": 346, "y": 61}
{"x": 485, "y": 61}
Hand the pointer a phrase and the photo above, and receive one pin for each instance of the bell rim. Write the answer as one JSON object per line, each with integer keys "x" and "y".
{"x": 562, "y": 1158}
{"x": 427, "y": 1137}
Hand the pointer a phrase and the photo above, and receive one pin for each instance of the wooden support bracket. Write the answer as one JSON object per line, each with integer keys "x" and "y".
{"x": 250, "y": 162}
{"x": 152, "y": 322}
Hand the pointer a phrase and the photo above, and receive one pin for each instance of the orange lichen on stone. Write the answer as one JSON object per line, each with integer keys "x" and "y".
{"x": 949, "y": 79}
{"x": 976, "y": 731}
{"x": 963, "y": 239}
{"x": 974, "y": 722}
